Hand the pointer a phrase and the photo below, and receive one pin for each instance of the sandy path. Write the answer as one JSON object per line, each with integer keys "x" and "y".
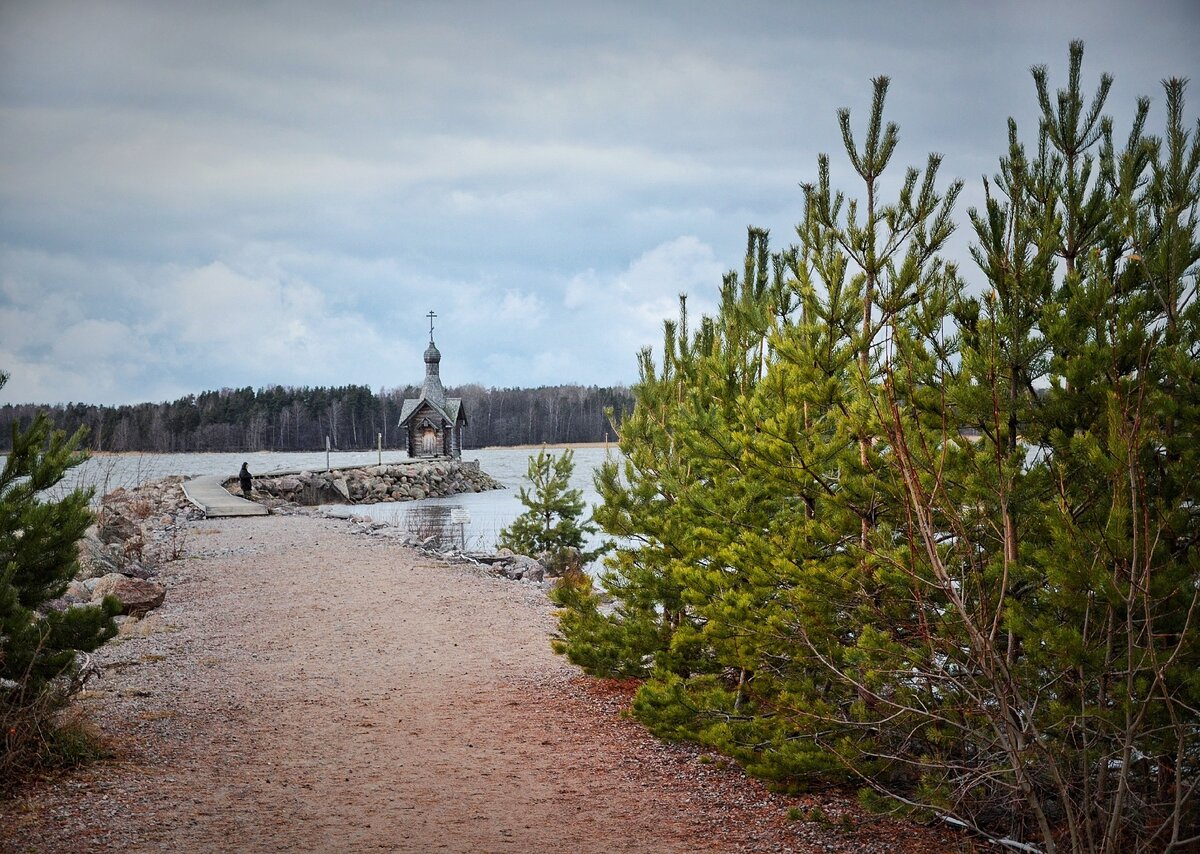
{"x": 309, "y": 689}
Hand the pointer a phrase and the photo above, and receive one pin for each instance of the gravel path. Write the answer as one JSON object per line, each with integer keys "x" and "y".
{"x": 306, "y": 688}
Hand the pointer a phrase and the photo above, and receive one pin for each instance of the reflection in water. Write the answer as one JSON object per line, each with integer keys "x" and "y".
{"x": 490, "y": 512}
{"x": 436, "y": 525}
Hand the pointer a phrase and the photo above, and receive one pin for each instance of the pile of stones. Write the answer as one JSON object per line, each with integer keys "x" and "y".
{"x": 136, "y": 530}
{"x": 408, "y": 481}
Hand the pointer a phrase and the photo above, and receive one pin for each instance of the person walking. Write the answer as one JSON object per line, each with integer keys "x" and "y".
{"x": 245, "y": 480}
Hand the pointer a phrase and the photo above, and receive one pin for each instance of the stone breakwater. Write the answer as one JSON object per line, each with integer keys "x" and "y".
{"x": 409, "y": 481}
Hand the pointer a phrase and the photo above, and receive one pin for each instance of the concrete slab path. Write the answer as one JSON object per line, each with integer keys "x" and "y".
{"x": 209, "y": 494}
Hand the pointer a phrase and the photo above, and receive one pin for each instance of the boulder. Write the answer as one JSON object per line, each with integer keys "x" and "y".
{"x": 520, "y": 567}
{"x": 136, "y": 595}
{"x": 76, "y": 594}
{"x": 115, "y": 528}
{"x": 95, "y": 558}
{"x": 137, "y": 570}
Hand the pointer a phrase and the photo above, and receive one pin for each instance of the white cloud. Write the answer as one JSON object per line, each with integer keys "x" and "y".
{"x": 632, "y": 304}
{"x": 605, "y": 318}
{"x": 93, "y": 340}
{"x": 521, "y": 308}
{"x": 281, "y": 327}
{"x": 194, "y": 196}
{"x": 220, "y": 307}
{"x": 189, "y": 329}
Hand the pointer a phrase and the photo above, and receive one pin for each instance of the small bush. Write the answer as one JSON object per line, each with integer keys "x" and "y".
{"x": 550, "y": 522}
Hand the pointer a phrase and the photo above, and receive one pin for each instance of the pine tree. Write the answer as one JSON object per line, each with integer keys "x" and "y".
{"x": 659, "y": 496}
{"x": 551, "y": 521}
{"x": 1052, "y": 546}
{"x": 943, "y": 545}
{"x": 39, "y": 651}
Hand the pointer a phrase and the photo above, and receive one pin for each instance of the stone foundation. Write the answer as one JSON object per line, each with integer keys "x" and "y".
{"x": 407, "y": 481}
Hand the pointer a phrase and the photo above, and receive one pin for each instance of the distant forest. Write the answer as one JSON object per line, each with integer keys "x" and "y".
{"x": 299, "y": 419}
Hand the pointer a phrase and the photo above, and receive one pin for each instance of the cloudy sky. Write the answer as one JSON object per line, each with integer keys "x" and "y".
{"x": 202, "y": 195}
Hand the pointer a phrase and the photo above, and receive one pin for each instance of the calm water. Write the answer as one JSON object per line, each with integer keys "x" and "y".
{"x": 489, "y": 512}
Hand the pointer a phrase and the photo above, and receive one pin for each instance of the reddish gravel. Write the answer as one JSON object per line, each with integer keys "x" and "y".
{"x": 306, "y": 688}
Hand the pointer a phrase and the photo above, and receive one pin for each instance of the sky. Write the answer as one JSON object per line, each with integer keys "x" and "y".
{"x": 196, "y": 196}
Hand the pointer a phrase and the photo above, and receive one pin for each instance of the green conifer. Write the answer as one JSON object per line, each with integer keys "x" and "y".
{"x": 550, "y": 523}
{"x": 943, "y": 545}
{"x": 39, "y": 647}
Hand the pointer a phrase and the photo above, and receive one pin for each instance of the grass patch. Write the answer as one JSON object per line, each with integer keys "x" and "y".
{"x": 35, "y": 742}
{"x": 75, "y": 741}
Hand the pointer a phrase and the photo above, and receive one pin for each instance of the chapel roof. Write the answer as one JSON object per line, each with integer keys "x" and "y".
{"x": 450, "y": 408}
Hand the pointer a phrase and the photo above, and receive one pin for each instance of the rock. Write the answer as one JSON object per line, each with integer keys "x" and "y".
{"x": 76, "y": 594}
{"x": 95, "y": 558}
{"x": 520, "y": 567}
{"x": 341, "y": 486}
{"x": 136, "y": 595}
{"x": 397, "y": 482}
{"x": 487, "y": 557}
{"x": 137, "y": 570}
{"x": 115, "y": 528}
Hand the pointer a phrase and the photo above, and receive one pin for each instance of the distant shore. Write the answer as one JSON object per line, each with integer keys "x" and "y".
{"x": 467, "y": 451}
{"x": 571, "y": 445}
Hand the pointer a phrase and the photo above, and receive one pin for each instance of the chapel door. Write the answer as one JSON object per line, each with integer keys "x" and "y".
{"x": 429, "y": 442}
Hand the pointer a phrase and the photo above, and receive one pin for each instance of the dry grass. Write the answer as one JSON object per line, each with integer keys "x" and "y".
{"x": 159, "y": 715}
{"x": 45, "y": 739}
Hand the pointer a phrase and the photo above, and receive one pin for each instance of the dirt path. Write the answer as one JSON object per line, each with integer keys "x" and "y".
{"x": 309, "y": 689}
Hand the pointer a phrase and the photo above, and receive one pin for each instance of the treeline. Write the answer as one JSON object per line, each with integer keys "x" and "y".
{"x": 280, "y": 418}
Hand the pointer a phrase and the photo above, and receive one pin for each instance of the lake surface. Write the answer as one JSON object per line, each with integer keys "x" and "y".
{"x": 488, "y": 512}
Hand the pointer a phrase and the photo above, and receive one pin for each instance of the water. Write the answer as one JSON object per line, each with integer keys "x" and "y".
{"x": 489, "y": 512}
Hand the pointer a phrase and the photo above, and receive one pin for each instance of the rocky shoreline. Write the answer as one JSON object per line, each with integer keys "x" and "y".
{"x": 139, "y": 531}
